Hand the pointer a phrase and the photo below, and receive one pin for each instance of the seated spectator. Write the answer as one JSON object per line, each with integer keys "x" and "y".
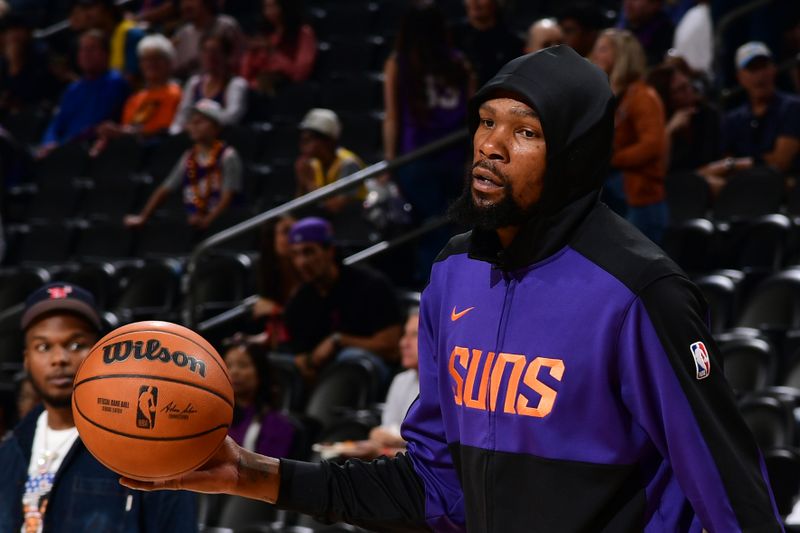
{"x": 485, "y": 39}
{"x": 402, "y": 393}
{"x": 217, "y": 82}
{"x": 25, "y": 79}
{"x": 202, "y": 19}
{"x": 277, "y": 279}
{"x": 765, "y": 130}
{"x": 542, "y": 34}
{"x": 322, "y": 161}
{"x": 151, "y": 110}
{"x": 639, "y": 160}
{"x": 209, "y": 174}
{"x": 50, "y": 480}
{"x": 693, "y": 126}
{"x": 124, "y": 33}
{"x": 98, "y": 96}
{"x": 385, "y": 439}
{"x": 647, "y": 20}
{"x": 257, "y": 425}
{"x": 694, "y": 38}
{"x": 285, "y": 53}
{"x": 580, "y": 24}
{"x": 339, "y": 312}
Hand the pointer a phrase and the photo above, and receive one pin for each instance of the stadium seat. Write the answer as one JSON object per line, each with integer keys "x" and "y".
{"x": 791, "y": 376}
{"x": 356, "y": 93}
{"x": 66, "y": 162}
{"x": 338, "y": 18}
{"x": 361, "y": 133}
{"x": 247, "y": 241}
{"x": 111, "y": 198}
{"x": 287, "y": 385}
{"x": 770, "y": 420}
{"x": 46, "y": 244}
{"x": 104, "y": 241}
{"x": 165, "y": 238}
{"x": 148, "y": 291}
{"x": 290, "y": 104}
{"x": 221, "y": 281}
{"x": 17, "y": 283}
{"x": 165, "y": 155}
{"x": 55, "y": 201}
{"x": 690, "y": 243}
{"x": 760, "y": 244}
{"x": 783, "y": 468}
{"x": 688, "y": 196}
{"x": 239, "y": 513}
{"x": 12, "y": 342}
{"x": 120, "y": 160}
{"x": 749, "y": 363}
{"x": 97, "y": 278}
{"x": 749, "y": 194}
{"x": 344, "y": 385}
{"x": 720, "y": 293}
{"x": 26, "y": 126}
{"x": 774, "y": 304}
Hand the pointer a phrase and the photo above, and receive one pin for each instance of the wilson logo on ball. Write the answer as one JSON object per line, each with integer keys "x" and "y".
{"x": 152, "y": 351}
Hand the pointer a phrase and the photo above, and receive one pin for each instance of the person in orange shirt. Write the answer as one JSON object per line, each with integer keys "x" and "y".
{"x": 636, "y": 188}
{"x": 149, "y": 111}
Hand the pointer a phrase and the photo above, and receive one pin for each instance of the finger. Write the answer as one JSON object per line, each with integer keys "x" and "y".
{"x": 169, "y": 484}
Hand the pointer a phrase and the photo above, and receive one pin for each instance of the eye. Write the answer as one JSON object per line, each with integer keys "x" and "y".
{"x": 529, "y": 134}
{"x": 487, "y": 122}
{"x": 76, "y": 346}
{"x": 42, "y": 347}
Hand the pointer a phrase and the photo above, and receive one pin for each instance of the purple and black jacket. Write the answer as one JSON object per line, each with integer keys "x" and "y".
{"x": 568, "y": 382}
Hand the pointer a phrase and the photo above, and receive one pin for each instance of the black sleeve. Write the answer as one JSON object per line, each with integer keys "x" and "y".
{"x": 385, "y": 494}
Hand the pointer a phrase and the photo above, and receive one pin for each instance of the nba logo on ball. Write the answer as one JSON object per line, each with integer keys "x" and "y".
{"x": 146, "y": 407}
{"x": 701, "y": 361}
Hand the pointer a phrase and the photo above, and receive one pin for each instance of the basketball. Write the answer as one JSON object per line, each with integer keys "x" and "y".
{"x": 152, "y": 400}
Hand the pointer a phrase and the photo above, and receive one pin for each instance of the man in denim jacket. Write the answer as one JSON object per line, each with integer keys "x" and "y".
{"x": 50, "y": 480}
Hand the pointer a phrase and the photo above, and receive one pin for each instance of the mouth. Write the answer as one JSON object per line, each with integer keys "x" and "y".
{"x": 485, "y": 181}
{"x": 61, "y": 381}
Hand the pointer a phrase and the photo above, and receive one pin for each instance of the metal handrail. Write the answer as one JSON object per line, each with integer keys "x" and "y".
{"x": 58, "y": 27}
{"x": 338, "y": 186}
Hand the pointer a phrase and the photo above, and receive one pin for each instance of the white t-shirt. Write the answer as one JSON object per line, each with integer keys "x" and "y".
{"x": 50, "y": 446}
{"x": 402, "y": 393}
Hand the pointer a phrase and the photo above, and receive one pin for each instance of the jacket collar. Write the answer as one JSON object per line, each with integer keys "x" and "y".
{"x": 538, "y": 239}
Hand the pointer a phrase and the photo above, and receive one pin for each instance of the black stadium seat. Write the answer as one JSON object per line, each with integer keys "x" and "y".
{"x": 690, "y": 243}
{"x": 687, "y": 196}
{"x": 774, "y": 304}
{"x": 66, "y": 162}
{"x": 149, "y": 291}
{"x": 104, "y": 240}
{"x": 720, "y": 293}
{"x": 50, "y": 243}
{"x": 17, "y": 283}
{"x": 111, "y": 198}
{"x": 771, "y": 421}
{"x": 120, "y": 160}
{"x": 762, "y": 243}
{"x": 165, "y": 238}
{"x": 750, "y": 363}
{"x": 783, "y": 469}
{"x": 97, "y": 278}
{"x": 221, "y": 281}
{"x": 750, "y": 193}
{"x": 344, "y": 385}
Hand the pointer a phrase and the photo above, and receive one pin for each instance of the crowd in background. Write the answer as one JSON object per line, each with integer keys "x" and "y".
{"x": 157, "y": 70}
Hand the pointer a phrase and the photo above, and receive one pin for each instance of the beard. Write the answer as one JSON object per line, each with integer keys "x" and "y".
{"x": 466, "y": 211}
{"x": 57, "y": 402}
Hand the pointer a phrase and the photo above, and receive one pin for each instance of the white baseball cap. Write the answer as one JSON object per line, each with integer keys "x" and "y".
{"x": 209, "y": 109}
{"x": 750, "y": 51}
{"x": 322, "y": 121}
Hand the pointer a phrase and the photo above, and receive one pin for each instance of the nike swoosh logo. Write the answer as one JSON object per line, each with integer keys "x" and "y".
{"x": 455, "y": 316}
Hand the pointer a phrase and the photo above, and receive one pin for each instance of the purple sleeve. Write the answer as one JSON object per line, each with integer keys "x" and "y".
{"x": 428, "y": 450}
{"x": 674, "y": 386}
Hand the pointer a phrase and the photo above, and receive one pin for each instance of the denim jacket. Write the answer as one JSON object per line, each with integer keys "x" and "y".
{"x": 86, "y": 496}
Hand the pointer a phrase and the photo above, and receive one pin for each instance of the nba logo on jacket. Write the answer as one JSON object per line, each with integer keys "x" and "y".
{"x": 701, "y": 361}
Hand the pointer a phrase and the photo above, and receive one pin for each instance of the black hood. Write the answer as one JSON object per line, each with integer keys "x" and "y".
{"x": 576, "y": 108}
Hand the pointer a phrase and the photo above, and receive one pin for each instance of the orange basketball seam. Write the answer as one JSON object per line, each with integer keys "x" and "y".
{"x": 131, "y": 436}
{"x": 160, "y": 378}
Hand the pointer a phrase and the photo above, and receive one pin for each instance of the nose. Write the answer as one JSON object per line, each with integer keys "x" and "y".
{"x": 59, "y": 356}
{"x": 491, "y": 146}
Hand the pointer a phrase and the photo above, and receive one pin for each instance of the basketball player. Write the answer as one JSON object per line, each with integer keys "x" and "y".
{"x": 50, "y": 481}
{"x": 568, "y": 381}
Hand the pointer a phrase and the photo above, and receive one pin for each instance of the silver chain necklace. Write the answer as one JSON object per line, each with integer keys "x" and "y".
{"x": 47, "y": 456}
